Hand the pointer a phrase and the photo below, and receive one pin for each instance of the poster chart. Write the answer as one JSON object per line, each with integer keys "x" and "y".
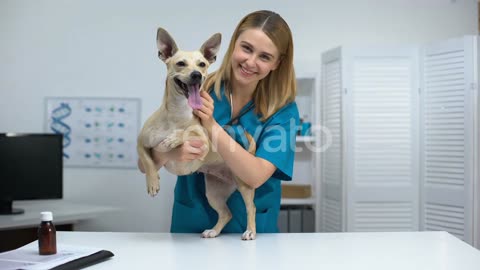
{"x": 97, "y": 132}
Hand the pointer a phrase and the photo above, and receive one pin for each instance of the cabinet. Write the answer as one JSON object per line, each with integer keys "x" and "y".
{"x": 19, "y": 230}
{"x": 301, "y": 213}
{"x": 404, "y": 127}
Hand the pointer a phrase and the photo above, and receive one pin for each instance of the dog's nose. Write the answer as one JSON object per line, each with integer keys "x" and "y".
{"x": 196, "y": 77}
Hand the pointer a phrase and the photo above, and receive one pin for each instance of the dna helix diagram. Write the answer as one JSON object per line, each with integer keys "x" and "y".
{"x": 58, "y": 126}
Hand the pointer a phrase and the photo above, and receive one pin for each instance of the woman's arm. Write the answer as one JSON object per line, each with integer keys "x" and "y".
{"x": 254, "y": 171}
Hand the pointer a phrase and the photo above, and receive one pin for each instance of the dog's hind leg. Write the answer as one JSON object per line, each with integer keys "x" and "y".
{"x": 248, "y": 195}
{"x": 217, "y": 192}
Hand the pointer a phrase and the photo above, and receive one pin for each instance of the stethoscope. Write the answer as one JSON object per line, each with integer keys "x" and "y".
{"x": 236, "y": 118}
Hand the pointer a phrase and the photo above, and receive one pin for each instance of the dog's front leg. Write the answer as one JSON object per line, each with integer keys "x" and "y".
{"x": 144, "y": 154}
{"x": 153, "y": 180}
{"x": 171, "y": 141}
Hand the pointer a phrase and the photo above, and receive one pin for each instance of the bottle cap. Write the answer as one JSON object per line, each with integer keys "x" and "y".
{"x": 46, "y": 216}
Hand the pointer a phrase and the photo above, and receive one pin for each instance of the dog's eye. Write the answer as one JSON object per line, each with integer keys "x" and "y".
{"x": 202, "y": 64}
{"x": 181, "y": 64}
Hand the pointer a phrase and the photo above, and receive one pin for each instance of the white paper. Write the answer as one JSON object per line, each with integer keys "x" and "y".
{"x": 28, "y": 258}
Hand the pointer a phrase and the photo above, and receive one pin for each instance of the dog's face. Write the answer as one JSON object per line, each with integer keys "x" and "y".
{"x": 186, "y": 69}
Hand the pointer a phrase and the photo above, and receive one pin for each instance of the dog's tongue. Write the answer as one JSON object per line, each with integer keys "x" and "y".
{"x": 194, "y": 99}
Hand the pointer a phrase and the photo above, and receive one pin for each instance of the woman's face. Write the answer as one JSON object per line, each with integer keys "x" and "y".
{"x": 254, "y": 56}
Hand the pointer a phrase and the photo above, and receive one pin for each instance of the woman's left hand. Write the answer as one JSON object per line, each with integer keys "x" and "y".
{"x": 206, "y": 112}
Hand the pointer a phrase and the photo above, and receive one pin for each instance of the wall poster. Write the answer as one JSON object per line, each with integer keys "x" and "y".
{"x": 97, "y": 132}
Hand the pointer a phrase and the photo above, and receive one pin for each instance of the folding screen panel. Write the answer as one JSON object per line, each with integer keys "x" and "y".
{"x": 447, "y": 137}
{"x": 381, "y": 100}
{"x": 332, "y": 217}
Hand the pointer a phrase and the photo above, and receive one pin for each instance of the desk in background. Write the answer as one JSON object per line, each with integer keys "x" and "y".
{"x": 332, "y": 251}
{"x": 18, "y": 230}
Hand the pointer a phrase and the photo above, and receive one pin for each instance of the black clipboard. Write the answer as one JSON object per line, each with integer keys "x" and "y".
{"x": 82, "y": 262}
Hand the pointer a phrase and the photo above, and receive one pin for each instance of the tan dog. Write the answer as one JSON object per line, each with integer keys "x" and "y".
{"x": 174, "y": 123}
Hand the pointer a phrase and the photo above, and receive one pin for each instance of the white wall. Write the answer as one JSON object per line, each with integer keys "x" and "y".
{"x": 107, "y": 48}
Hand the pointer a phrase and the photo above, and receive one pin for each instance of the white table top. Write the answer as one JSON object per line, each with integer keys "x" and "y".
{"x": 64, "y": 212}
{"x": 369, "y": 251}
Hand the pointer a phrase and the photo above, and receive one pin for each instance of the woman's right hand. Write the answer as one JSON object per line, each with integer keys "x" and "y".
{"x": 188, "y": 151}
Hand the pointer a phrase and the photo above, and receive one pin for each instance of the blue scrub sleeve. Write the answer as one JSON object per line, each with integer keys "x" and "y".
{"x": 277, "y": 143}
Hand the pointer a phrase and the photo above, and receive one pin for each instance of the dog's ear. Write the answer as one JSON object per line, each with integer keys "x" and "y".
{"x": 165, "y": 44}
{"x": 210, "y": 48}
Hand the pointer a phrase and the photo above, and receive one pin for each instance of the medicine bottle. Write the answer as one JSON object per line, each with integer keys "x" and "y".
{"x": 47, "y": 239}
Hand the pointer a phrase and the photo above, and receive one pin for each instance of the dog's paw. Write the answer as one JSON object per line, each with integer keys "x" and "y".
{"x": 153, "y": 191}
{"x": 248, "y": 235}
{"x": 209, "y": 234}
{"x": 153, "y": 185}
{"x": 170, "y": 142}
{"x": 205, "y": 152}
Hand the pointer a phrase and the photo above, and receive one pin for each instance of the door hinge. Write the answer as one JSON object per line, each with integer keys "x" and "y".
{"x": 473, "y": 87}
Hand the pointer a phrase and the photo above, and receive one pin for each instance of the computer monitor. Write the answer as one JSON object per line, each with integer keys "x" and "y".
{"x": 31, "y": 168}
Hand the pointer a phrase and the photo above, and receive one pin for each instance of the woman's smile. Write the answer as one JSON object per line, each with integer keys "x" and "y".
{"x": 246, "y": 71}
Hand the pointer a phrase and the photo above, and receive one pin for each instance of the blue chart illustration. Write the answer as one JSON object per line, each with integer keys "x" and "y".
{"x": 58, "y": 126}
{"x": 97, "y": 132}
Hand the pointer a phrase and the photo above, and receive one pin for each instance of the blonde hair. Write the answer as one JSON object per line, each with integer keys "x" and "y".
{"x": 279, "y": 87}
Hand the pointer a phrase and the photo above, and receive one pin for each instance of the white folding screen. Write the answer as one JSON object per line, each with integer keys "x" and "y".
{"x": 402, "y": 122}
{"x": 370, "y": 172}
{"x": 332, "y": 163}
{"x": 381, "y": 97}
{"x": 447, "y": 140}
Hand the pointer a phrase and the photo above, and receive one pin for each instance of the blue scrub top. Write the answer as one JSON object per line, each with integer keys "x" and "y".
{"x": 275, "y": 140}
